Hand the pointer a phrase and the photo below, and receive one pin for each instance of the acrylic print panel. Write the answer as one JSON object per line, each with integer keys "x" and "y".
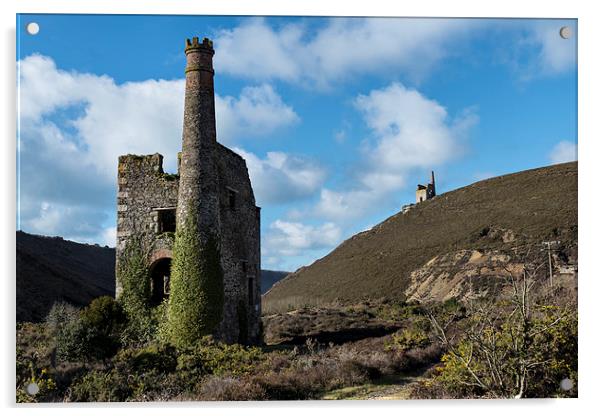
{"x": 279, "y": 208}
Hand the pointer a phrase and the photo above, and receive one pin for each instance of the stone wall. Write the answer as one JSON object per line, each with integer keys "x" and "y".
{"x": 142, "y": 188}
{"x": 240, "y": 249}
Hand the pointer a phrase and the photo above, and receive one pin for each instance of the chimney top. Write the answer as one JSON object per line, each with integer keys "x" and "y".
{"x": 194, "y": 44}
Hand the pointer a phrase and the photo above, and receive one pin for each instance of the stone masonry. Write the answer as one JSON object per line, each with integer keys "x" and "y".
{"x": 214, "y": 183}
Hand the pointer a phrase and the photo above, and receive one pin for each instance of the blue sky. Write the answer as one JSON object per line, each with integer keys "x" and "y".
{"x": 338, "y": 119}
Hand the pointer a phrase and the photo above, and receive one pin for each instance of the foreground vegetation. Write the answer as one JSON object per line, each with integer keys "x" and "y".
{"x": 90, "y": 355}
{"x": 512, "y": 347}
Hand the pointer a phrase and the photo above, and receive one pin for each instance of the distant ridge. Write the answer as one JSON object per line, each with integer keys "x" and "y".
{"x": 51, "y": 269}
{"x": 521, "y": 208}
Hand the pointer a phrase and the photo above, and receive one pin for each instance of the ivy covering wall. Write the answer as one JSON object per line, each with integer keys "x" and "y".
{"x": 196, "y": 301}
{"x": 132, "y": 274}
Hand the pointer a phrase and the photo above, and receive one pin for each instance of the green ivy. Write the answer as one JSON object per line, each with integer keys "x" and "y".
{"x": 133, "y": 275}
{"x": 196, "y": 301}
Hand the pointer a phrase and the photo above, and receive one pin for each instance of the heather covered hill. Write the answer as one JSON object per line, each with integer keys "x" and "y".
{"x": 51, "y": 269}
{"x": 470, "y": 223}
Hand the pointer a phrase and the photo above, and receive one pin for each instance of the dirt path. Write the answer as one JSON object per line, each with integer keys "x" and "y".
{"x": 396, "y": 387}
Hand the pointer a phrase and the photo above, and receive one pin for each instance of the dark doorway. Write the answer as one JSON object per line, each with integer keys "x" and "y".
{"x": 160, "y": 274}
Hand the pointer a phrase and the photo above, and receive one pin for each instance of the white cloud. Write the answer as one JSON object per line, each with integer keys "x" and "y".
{"x": 258, "y": 111}
{"x": 109, "y": 237}
{"x": 556, "y": 54}
{"x": 342, "y": 48}
{"x": 563, "y": 151}
{"x": 256, "y": 51}
{"x": 282, "y": 177}
{"x": 75, "y": 222}
{"x": 410, "y": 132}
{"x": 534, "y": 48}
{"x": 73, "y": 127}
{"x": 293, "y": 238}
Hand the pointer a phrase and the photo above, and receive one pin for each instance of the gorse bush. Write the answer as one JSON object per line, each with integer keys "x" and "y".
{"x": 102, "y": 386}
{"x": 159, "y": 371}
{"x": 559, "y": 346}
{"x": 93, "y": 333}
{"x": 409, "y": 338}
{"x": 209, "y": 357}
{"x": 157, "y": 357}
{"x": 196, "y": 301}
{"x": 517, "y": 356}
{"x": 102, "y": 321}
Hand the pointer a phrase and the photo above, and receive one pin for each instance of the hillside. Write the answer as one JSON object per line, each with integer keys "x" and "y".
{"x": 467, "y": 225}
{"x": 269, "y": 278}
{"x": 51, "y": 269}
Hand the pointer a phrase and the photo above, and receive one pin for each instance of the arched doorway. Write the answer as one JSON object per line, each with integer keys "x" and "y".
{"x": 160, "y": 274}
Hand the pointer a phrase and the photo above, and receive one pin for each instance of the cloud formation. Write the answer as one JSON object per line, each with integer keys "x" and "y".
{"x": 281, "y": 177}
{"x": 73, "y": 127}
{"x": 563, "y": 151}
{"x": 258, "y": 111}
{"x": 342, "y": 48}
{"x": 535, "y": 48}
{"x": 293, "y": 238}
{"x": 409, "y": 131}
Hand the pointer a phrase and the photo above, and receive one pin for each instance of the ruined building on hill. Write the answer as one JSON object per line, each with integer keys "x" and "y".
{"x": 424, "y": 192}
{"x": 203, "y": 220}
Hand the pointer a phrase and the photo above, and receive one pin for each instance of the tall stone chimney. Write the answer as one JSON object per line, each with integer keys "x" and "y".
{"x": 196, "y": 300}
{"x": 433, "y": 181}
{"x": 198, "y": 174}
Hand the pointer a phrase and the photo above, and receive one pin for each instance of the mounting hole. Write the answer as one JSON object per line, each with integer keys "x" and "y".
{"x": 566, "y": 384}
{"x": 565, "y": 32}
{"x": 32, "y": 28}
{"x": 32, "y": 389}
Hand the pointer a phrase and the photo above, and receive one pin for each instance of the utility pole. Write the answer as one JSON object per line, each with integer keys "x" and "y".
{"x": 548, "y": 247}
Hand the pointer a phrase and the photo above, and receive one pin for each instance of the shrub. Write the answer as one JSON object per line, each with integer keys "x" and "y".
{"x": 161, "y": 358}
{"x": 505, "y": 354}
{"x": 59, "y": 315}
{"x": 66, "y": 329}
{"x": 208, "y": 357}
{"x": 230, "y": 389}
{"x": 72, "y": 341}
{"x": 101, "y": 386}
{"x": 91, "y": 334}
{"x": 197, "y": 285}
{"x": 416, "y": 336}
{"x": 102, "y": 322}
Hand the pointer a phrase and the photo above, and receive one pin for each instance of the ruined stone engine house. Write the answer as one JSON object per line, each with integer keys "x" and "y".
{"x": 213, "y": 185}
{"x": 424, "y": 192}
